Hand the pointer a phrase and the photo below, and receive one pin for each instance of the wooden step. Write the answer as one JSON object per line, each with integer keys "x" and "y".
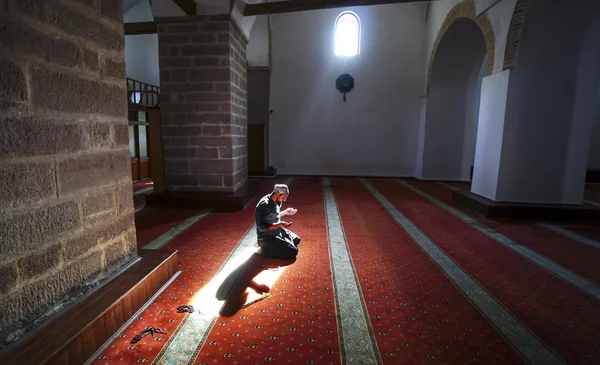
{"x": 75, "y": 334}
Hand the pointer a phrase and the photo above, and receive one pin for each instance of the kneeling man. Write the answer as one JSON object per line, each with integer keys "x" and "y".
{"x": 278, "y": 247}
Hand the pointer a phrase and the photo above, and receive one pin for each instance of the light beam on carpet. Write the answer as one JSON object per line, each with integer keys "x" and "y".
{"x": 186, "y": 342}
{"x": 205, "y": 300}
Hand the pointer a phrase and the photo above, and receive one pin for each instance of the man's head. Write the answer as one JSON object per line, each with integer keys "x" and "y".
{"x": 280, "y": 193}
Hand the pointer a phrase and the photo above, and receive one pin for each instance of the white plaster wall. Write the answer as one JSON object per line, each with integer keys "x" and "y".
{"x": 499, "y": 12}
{"x": 257, "y": 51}
{"x": 551, "y": 105}
{"x": 141, "y": 51}
{"x": 452, "y": 105}
{"x": 472, "y": 118}
{"x": 312, "y": 131}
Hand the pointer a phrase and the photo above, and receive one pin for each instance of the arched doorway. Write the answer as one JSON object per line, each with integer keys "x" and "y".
{"x": 460, "y": 62}
{"x": 552, "y": 104}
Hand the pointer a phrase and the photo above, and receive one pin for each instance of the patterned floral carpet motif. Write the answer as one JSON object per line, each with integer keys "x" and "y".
{"x": 415, "y": 312}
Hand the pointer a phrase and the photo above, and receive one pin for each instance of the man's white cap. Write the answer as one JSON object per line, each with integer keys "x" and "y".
{"x": 281, "y": 189}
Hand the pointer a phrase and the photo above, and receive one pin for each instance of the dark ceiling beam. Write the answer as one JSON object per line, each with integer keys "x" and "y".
{"x": 188, "y": 6}
{"x": 304, "y": 5}
{"x": 140, "y": 28}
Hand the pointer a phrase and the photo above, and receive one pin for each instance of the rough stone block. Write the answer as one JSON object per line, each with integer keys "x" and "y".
{"x": 121, "y": 135}
{"x": 115, "y": 252}
{"x": 8, "y": 277}
{"x": 90, "y": 59}
{"x": 23, "y": 39}
{"x": 121, "y": 164}
{"x": 24, "y": 232}
{"x": 111, "y": 9}
{"x": 40, "y": 262}
{"x": 101, "y": 135}
{"x": 125, "y": 198}
{"x": 91, "y": 3}
{"x": 84, "y": 171}
{"x": 72, "y": 22}
{"x": 131, "y": 240}
{"x": 12, "y": 81}
{"x": 39, "y": 295}
{"x": 93, "y": 237}
{"x": 65, "y": 53}
{"x": 113, "y": 68}
{"x": 60, "y": 91}
{"x": 33, "y": 8}
{"x": 98, "y": 202}
{"x": 26, "y": 182}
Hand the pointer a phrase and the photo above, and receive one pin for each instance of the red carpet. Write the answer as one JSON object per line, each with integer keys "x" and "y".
{"x": 203, "y": 248}
{"x": 589, "y": 230}
{"x": 571, "y": 254}
{"x": 298, "y": 325}
{"x": 155, "y": 222}
{"x": 418, "y": 315}
{"x": 566, "y": 319}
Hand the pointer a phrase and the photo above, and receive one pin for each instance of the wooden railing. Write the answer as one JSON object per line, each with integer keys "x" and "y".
{"x": 143, "y": 94}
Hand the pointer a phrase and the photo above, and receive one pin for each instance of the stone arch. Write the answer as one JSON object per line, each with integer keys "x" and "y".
{"x": 514, "y": 34}
{"x": 466, "y": 9}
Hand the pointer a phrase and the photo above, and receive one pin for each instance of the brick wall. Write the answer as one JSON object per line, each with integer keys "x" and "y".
{"x": 203, "y": 105}
{"x": 66, "y": 207}
{"x": 514, "y": 33}
{"x": 239, "y": 111}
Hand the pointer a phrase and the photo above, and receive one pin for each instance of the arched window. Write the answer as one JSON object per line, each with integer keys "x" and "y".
{"x": 347, "y": 34}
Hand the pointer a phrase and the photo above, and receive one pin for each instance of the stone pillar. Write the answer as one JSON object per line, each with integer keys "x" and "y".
{"x": 203, "y": 104}
{"x": 66, "y": 207}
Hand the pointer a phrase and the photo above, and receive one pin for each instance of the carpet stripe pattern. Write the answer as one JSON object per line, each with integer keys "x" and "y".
{"x": 389, "y": 272}
{"x": 356, "y": 333}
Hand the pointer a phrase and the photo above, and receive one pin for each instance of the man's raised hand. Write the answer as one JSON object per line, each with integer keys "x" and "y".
{"x": 290, "y": 211}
